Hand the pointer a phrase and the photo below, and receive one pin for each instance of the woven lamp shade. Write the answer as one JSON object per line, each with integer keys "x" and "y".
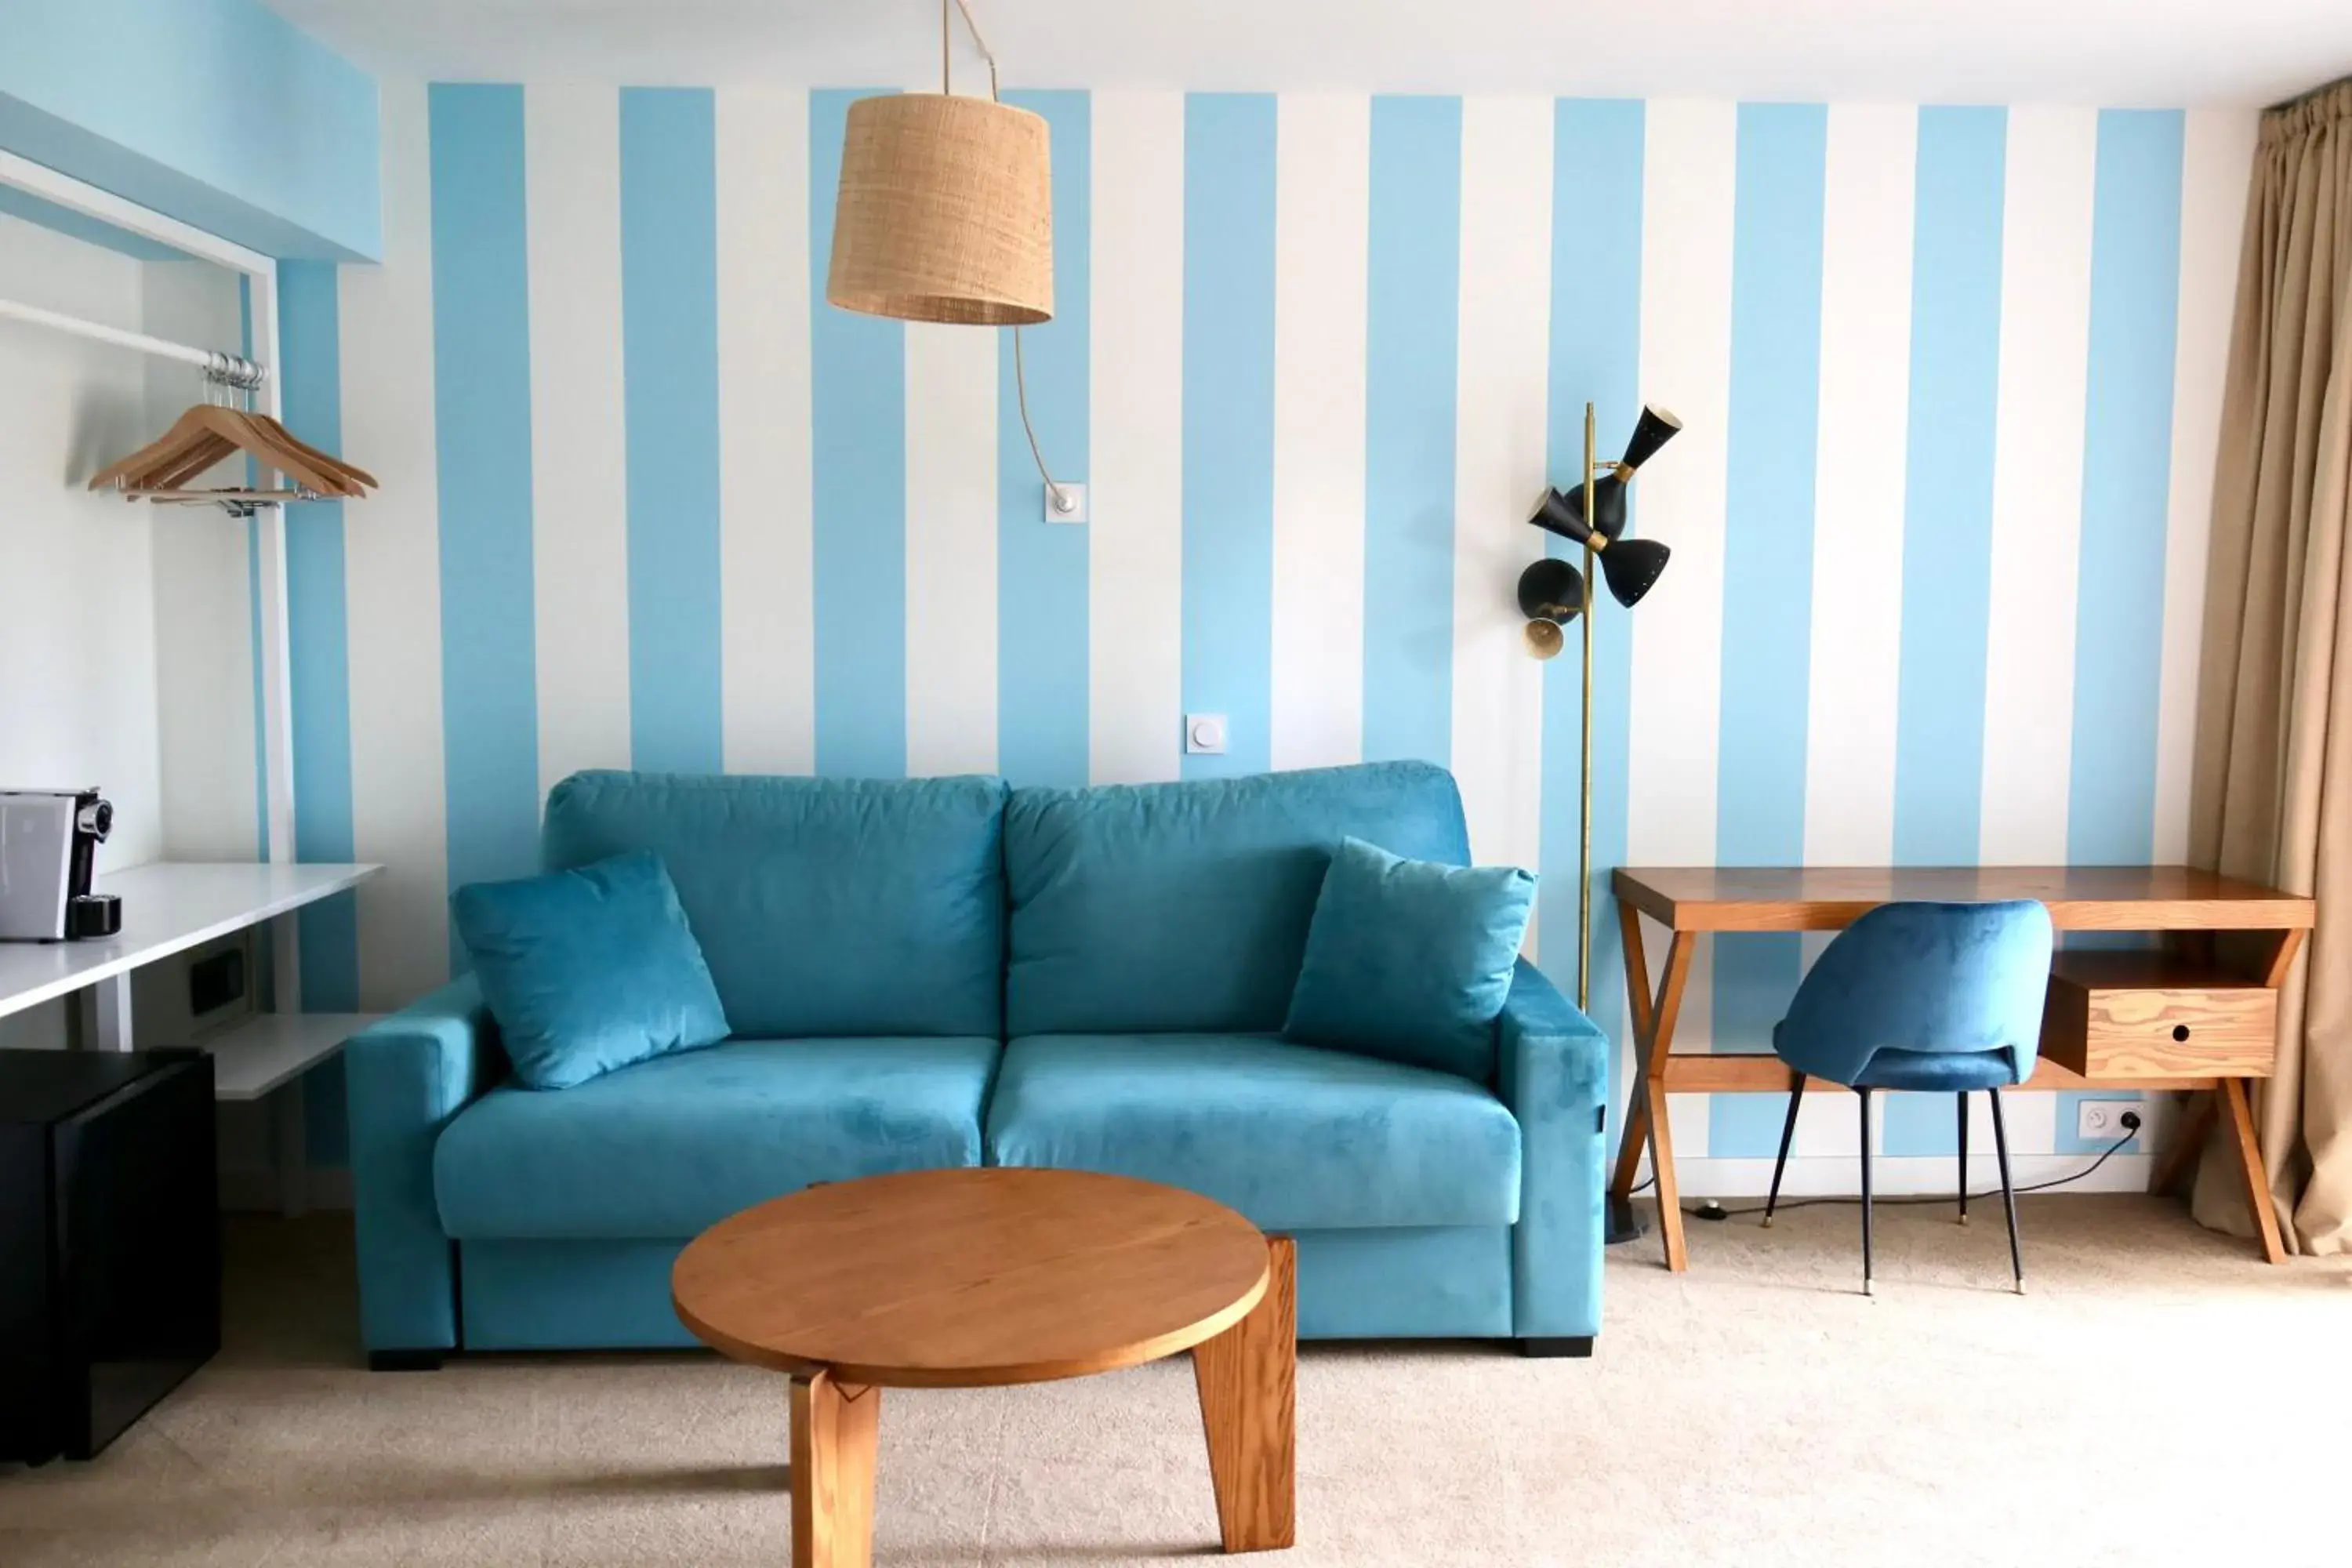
{"x": 945, "y": 211}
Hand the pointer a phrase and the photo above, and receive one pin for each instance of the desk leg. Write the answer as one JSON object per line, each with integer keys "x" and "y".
{"x": 106, "y": 1014}
{"x": 290, "y": 1141}
{"x": 1636, "y": 1134}
{"x": 2241, "y": 1140}
{"x": 1647, "y": 1116}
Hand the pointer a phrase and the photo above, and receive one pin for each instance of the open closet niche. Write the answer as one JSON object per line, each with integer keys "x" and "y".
{"x": 128, "y": 632}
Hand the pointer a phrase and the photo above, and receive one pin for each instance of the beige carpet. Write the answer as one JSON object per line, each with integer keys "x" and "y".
{"x": 2161, "y": 1398}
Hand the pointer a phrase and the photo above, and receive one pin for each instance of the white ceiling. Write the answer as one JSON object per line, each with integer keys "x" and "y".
{"x": 2107, "y": 52}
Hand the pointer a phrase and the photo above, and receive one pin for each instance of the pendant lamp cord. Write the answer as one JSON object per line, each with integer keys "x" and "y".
{"x": 1054, "y": 492}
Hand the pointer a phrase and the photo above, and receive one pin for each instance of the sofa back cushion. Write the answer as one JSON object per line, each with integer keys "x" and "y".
{"x": 824, "y": 906}
{"x": 1160, "y": 908}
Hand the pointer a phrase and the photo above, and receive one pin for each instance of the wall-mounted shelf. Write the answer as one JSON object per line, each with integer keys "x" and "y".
{"x": 275, "y": 1048}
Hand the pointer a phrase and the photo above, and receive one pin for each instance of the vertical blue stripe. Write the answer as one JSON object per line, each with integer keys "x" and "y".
{"x": 2127, "y": 484}
{"x": 1413, "y": 259}
{"x": 670, "y": 346}
{"x": 1948, "y": 487}
{"x": 309, "y": 351}
{"x": 1042, "y": 648}
{"x": 857, "y": 372}
{"x": 1776, "y": 337}
{"x": 1596, "y": 347}
{"x": 1947, "y": 523}
{"x": 1228, "y": 476}
{"x": 481, "y": 418}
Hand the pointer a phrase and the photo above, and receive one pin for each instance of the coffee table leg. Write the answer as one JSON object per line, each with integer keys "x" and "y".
{"x": 833, "y": 1425}
{"x": 1248, "y": 1380}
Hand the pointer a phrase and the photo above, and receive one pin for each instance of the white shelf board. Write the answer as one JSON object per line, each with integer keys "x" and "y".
{"x": 168, "y": 906}
{"x": 265, "y": 1051}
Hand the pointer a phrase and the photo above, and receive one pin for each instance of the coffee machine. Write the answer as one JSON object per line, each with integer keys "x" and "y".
{"x": 48, "y": 852}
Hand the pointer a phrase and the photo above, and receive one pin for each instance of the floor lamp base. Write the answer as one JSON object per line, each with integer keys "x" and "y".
{"x": 1624, "y": 1224}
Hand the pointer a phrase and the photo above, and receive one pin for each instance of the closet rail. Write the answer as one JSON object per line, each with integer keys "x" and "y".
{"x": 232, "y": 369}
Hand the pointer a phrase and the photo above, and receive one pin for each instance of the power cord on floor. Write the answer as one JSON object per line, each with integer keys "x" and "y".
{"x": 2129, "y": 1122}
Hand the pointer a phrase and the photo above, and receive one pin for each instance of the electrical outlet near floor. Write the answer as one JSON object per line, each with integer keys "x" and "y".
{"x": 2102, "y": 1121}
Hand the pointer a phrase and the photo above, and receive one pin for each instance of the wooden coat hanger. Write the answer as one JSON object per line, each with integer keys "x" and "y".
{"x": 209, "y": 433}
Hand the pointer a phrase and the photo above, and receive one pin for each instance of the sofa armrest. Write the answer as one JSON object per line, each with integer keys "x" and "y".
{"x": 406, "y": 1077}
{"x": 1553, "y": 1072}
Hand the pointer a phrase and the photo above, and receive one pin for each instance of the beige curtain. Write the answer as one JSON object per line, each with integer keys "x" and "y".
{"x": 2271, "y": 798}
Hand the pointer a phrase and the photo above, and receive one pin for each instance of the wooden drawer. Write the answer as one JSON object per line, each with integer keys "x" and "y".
{"x": 2135, "y": 1015}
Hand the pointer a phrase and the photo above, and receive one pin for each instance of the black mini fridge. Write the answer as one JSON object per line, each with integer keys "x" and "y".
{"x": 110, "y": 1242}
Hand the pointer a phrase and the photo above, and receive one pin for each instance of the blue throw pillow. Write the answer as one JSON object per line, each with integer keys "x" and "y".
{"x": 1411, "y": 960}
{"x": 589, "y": 970}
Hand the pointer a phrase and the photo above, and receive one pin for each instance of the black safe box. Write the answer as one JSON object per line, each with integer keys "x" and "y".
{"x": 110, "y": 1242}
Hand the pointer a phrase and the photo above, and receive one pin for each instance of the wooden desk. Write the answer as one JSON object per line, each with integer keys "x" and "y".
{"x": 2200, "y": 1013}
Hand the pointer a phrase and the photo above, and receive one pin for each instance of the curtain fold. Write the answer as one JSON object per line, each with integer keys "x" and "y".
{"x": 2272, "y": 789}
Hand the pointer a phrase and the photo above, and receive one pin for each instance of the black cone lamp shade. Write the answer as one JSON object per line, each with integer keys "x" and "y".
{"x": 1651, "y": 431}
{"x": 1551, "y": 594}
{"x": 1628, "y": 566}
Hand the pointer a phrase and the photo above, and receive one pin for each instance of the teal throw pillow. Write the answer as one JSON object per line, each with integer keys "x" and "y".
{"x": 589, "y": 970}
{"x": 1410, "y": 960}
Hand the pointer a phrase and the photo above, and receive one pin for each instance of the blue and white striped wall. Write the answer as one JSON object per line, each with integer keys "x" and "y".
{"x": 1950, "y": 378}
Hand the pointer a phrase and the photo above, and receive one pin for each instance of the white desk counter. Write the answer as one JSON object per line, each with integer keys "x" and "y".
{"x": 168, "y": 906}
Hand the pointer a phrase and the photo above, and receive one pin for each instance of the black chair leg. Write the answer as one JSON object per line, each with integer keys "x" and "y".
{"x": 1788, "y": 1131}
{"x": 1863, "y": 1095}
{"x": 1962, "y": 1099}
{"x": 2007, "y": 1192}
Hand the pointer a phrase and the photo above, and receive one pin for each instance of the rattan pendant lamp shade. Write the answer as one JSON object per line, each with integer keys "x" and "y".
{"x": 945, "y": 211}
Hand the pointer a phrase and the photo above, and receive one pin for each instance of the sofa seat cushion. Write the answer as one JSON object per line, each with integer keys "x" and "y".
{"x": 1294, "y": 1137}
{"x": 671, "y": 1146}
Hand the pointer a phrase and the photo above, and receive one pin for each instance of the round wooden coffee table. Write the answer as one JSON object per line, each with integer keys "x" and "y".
{"x": 978, "y": 1277}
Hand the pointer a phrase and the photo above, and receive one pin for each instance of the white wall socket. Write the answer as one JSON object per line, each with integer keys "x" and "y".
{"x": 1204, "y": 734}
{"x": 1065, "y": 502}
{"x": 2101, "y": 1121}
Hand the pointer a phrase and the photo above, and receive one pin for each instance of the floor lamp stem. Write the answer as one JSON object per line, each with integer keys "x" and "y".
{"x": 1584, "y": 767}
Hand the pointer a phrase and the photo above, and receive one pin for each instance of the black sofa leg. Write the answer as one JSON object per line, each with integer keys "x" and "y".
{"x": 1578, "y": 1346}
{"x": 406, "y": 1361}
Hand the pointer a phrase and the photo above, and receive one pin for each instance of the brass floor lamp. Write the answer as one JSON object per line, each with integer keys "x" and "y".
{"x": 1553, "y": 591}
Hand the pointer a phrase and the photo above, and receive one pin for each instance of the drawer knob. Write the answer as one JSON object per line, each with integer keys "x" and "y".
{"x": 2180, "y": 1031}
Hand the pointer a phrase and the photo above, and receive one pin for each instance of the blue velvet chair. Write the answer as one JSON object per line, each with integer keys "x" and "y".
{"x": 1929, "y": 998}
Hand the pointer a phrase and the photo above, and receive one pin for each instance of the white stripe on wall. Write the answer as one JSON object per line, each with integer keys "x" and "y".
{"x": 1865, "y": 392}
{"x": 1499, "y": 467}
{"x": 1689, "y": 177}
{"x": 1689, "y": 160}
{"x": 767, "y": 618}
{"x": 2037, "y": 483}
{"x": 1322, "y": 206}
{"x": 391, "y": 570}
{"x": 951, "y": 549}
{"x": 201, "y": 779}
{"x": 2217, "y": 157}
{"x": 1136, "y": 556}
{"x": 579, "y": 433}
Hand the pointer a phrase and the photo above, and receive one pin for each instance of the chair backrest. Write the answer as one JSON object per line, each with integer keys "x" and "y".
{"x": 1924, "y": 977}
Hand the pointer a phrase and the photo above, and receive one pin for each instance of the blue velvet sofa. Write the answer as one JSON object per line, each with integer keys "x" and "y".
{"x": 946, "y": 972}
